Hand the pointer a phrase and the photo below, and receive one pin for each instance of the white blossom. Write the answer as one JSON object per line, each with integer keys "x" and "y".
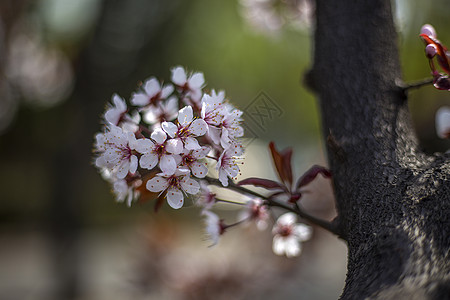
{"x": 152, "y": 93}
{"x": 192, "y": 85}
{"x": 162, "y": 111}
{"x": 227, "y": 165}
{"x": 176, "y": 185}
{"x": 255, "y": 210}
{"x": 191, "y": 159}
{"x": 288, "y": 235}
{"x": 116, "y": 149}
{"x": 443, "y": 122}
{"x": 123, "y": 191}
{"x": 160, "y": 150}
{"x": 116, "y": 111}
{"x": 214, "y": 226}
{"x": 206, "y": 198}
{"x": 187, "y": 130}
{"x": 116, "y": 114}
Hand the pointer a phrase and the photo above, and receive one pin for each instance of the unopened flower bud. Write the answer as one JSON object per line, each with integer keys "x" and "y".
{"x": 428, "y": 30}
{"x": 430, "y": 50}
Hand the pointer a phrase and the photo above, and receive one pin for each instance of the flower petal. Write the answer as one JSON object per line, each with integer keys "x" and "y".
{"x": 170, "y": 128}
{"x": 123, "y": 169}
{"x": 201, "y": 153}
{"x": 292, "y": 247}
{"x": 159, "y": 136}
{"x": 185, "y": 115}
{"x": 178, "y": 76}
{"x": 287, "y": 219}
{"x": 190, "y": 186}
{"x": 443, "y": 122}
{"x": 148, "y": 161}
{"x": 167, "y": 164}
{"x": 157, "y": 184}
{"x": 144, "y": 145}
{"x": 152, "y": 87}
{"x": 166, "y": 91}
{"x": 174, "y": 146}
{"x": 191, "y": 144}
{"x": 223, "y": 177}
{"x": 199, "y": 170}
{"x": 139, "y": 99}
{"x": 196, "y": 81}
{"x": 278, "y": 245}
{"x": 133, "y": 164}
{"x": 175, "y": 198}
{"x": 302, "y": 231}
{"x": 198, "y": 127}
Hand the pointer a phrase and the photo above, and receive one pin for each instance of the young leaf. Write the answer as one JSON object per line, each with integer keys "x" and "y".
{"x": 260, "y": 182}
{"x": 282, "y": 163}
{"x": 311, "y": 174}
{"x": 287, "y": 166}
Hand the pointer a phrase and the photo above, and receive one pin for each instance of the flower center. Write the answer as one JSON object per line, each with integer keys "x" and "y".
{"x": 285, "y": 230}
{"x": 174, "y": 181}
{"x": 188, "y": 160}
{"x": 160, "y": 150}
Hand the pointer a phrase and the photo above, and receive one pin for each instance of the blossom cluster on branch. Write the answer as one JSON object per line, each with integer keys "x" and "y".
{"x": 171, "y": 140}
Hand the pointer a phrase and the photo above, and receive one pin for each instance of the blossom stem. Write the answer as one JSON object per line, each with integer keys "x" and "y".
{"x": 229, "y": 201}
{"x": 271, "y": 202}
{"x": 236, "y": 224}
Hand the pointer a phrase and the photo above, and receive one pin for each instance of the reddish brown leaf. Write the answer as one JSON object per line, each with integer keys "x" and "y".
{"x": 281, "y": 160}
{"x": 311, "y": 174}
{"x": 260, "y": 182}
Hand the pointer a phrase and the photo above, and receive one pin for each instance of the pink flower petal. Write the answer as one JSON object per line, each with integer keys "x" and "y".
{"x": 123, "y": 169}
{"x": 199, "y": 170}
{"x": 157, "y": 184}
{"x": 159, "y": 136}
{"x": 167, "y": 164}
{"x": 190, "y": 186}
{"x": 133, "y": 164}
{"x": 144, "y": 145}
{"x": 152, "y": 87}
{"x": 174, "y": 146}
{"x": 139, "y": 99}
{"x": 166, "y": 91}
{"x": 170, "y": 128}
{"x": 178, "y": 76}
{"x": 175, "y": 198}
{"x": 148, "y": 161}
{"x": 185, "y": 115}
{"x": 196, "y": 81}
{"x": 191, "y": 144}
{"x": 198, "y": 127}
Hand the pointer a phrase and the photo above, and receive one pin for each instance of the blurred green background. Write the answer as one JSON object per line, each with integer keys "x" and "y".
{"x": 63, "y": 236}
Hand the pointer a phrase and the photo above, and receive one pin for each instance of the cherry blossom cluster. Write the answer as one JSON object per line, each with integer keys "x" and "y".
{"x": 435, "y": 50}
{"x": 161, "y": 140}
{"x": 172, "y": 141}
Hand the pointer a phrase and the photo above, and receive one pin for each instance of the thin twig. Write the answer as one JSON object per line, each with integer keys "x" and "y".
{"x": 271, "y": 202}
{"x": 416, "y": 84}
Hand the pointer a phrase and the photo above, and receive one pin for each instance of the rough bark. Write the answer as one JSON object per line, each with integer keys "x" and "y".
{"x": 393, "y": 201}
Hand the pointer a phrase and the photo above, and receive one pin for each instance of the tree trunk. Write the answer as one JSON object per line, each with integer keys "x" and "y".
{"x": 393, "y": 201}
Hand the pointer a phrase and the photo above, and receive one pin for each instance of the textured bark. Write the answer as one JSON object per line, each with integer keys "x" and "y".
{"x": 393, "y": 201}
